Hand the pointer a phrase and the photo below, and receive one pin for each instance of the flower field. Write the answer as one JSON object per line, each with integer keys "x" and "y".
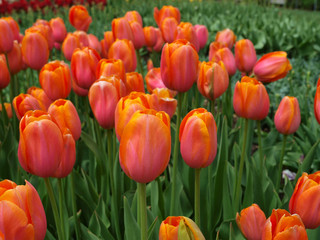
{"x": 158, "y": 120}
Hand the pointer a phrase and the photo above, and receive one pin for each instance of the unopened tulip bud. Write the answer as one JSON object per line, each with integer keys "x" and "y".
{"x": 79, "y": 18}
{"x": 134, "y": 82}
{"x": 168, "y": 28}
{"x": 58, "y": 29}
{"x": 245, "y": 54}
{"x": 70, "y": 43}
{"x": 166, "y": 12}
{"x": 94, "y": 43}
{"x": 133, "y": 16}
{"x": 109, "y": 67}
{"x": 226, "y": 56}
{"x": 185, "y": 30}
{"x": 202, "y": 35}
{"x": 226, "y": 36}
{"x": 121, "y": 29}
{"x": 15, "y": 58}
{"x": 138, "y": 35}
{"x": 213, "y": 48}
{"x": 7, "y": 37}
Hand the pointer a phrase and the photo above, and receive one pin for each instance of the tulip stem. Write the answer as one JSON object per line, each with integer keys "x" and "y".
{"x": 260, "y": 145}
{"x": 281, "y": 162}
{"x": 4, "y": 110}
{"x": 61, "y": 202}
{"x": 54, "y": 207}
{"x": 74, "y": 207}
{"x": 140, "y": 69}
{"x": 143, "y": 210}
{"x": 197, "y": 196}
{"x": 212, "y": 106}
{"x": 175, "y": 157}
{"x": 243, "y": 154}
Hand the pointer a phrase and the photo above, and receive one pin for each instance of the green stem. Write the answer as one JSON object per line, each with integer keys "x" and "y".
{"x": 281, "y": 162}
{"x": 197, "y": 196}
{"x": 140, "y": 69}
{"x": 74, "y": 207}
{"x": 243, "y": 153}
{"x": 143, "y": 210}
{"x": 260, "y": 145}
{"x": 212, "y": 106}
{"x": 175, "y": 157}
{"x": 54, "y": 207}
{"x": 4, "y": 111}
{"x": 61, "y": 202}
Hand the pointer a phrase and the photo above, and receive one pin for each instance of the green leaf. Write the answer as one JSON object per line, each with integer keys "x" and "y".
{"x": 132, "y": 230}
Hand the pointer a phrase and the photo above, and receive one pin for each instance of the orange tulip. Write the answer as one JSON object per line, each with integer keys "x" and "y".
{"x": 138, "y": 35}
{"x": 126, "y": 107}
{"x": 281, "y": 225}
{"x": 198, "y": 138}
{"x": 287, "y": 118}
{"x": 4, "y": 73}
{"x": 133, "y": 16}
{"x": 94, "y": 43}
{"x": 246, "y": 56}
{"x": 83, "y": 38}
{"x": 317, "y": 102}
{"x": 150, "y": 36}
{"x": 179, "y": 65}
{"x": 202, "y": 35}
{"x": 154, "y": 80}
{"x": 168, "y": 28}
{"x": 165, "y": 12}
{"x": 44, "y": 149}
{"x": 66, "y": 116}
{"x": 108, "y": 67}
{"x": 21, "y": 212}
{"x": 124, "y": 50}
{"x": 134, "y": 82}
{"x": 121, "y": 29}
{"x": 15, "y": 58}
{"x": 305, "y": 199}
{"x": 250, "y": 99}
{"x": 251, "y": 222}
{"x": 35, "y": 50}
{"x": 213, "y": 79}
{"x": 140, "y": 161}
{"x": 70, "y": 43}
{"x": 7, "y": 37}
{"x": 8, "y": 109}
{"x": 44, "y": 28}
{"x": 104, "y": 95}
{"x": 24, "y": 103}
{"x": 106, "y": 43}
{"x": 159, "y": 44}
{"x": 59, "y": 30}
{"x": 226, "y": 36}
{"x": 41, "y": 96}
{"x": 14, "y": 27}
{"x": 175, "y": 228}
{"x": 79, "y": 18}
{"x": 78, "y": 90}
{"x": 272, "y": 67}
{"x": 162, "y": 100}
{"x": 226, "y": 56}
{"x": 55, "y": 79}
{"x": 150, "y": 65}
{"x": 83, "y": 66}
{"x": 213, "y": 48}
{"x": 185, "y": 30}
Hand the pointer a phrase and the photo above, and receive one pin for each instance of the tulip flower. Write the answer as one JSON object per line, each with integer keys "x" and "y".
{"x": 179, "y": 65}
{"x": 317, "y": 102}
{"x": 70, "y": 43}
{"x": 226, "y": 36}
{"x": 175, "y": 228}
{"x": 44, "y": 149}
{"x": 45, "y": 29}
{"x": 245, "y": 55}
{"x": 251, "y": 222}
{"x": 23, "y": 103}
{"x": 8, "y": 109}
{"x": 133, "y": 16}
{"x": 250, "y": 99}
{"x": 41, "y": 96}
{"x": 55, "y": 79}
{"x": 106, "y": 43}
{"x": 138, "y": 35}
{"x": 283, "y": 225}
{"x": 272, "y": 67}
{"x": 166, "y": 12}
{"x": 66, "y": 116}
{"x": 202, "y": 35}
{"x": 59, "y": 30}
{"x": 78, "y": 90}
{"x": 145, "y": 162}
{"x": 14, "y": 27}
{"x": 305, "y": 199}
{"x": 134, "y": 82}
{"x": 159, "y": 44}
{"x": 150, "y": 65}
{"x": 83, "y": 38}
{"x": 15, "y": 58}
{"x": 121, "y": 29}
{"x": 154, "y": 80}
{"x": 124, "y": 50}
{"x": 287, "y": 118}
{"x": 213, "y": 79}
{"x": 185, "y": 30}
{"x": 7, "y": 37}
{"x": 226, "y": 56}
{"x": 79, "y": 18}
{"x": 94, "y": 43}
{"x": 168, "y": 28}
{"x": 162, "y": 99}
{"x": 4, "y": 73}
{"x": 83, "y": 66}
{"x": 108, "y": 67}
{"x": 104, "y": 95}
{"x": 213, "y": 48}
{"x": 21, "y": 212}
{"x": 150, "y": 36}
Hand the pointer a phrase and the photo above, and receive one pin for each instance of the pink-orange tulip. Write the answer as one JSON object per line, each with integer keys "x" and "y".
{"x": 41, "y": 96}
{"x": 108, "y": 67}
{"x": 134, "y": 82}
{"x": 133, "y": 16}
{"x": 66, "y": 116}
{"x": 59, "y": 30}
{"x": 154, "y": 80}
{"x": 198, "y": 138}
{"x": 226, "y": 56}
{"x": 4, "y": 73}
{"x": 305, "y": 199}
{"x": 185, "y": 30}
{"x": 70, "y": 43}
{"x": 21, "y": 212}
{"x": 226, "y": 36}
{"x": 44, "y": 149}
{"x": 317, "y": 102}
{"x": 8, "y": 109}
{"x": 213, "y": 48}
{"x": 124, "y": 50}
{"x": 287, "y": 118}
{"x": 165, "y": 12}
{"x": 14, "y": 27}
{"x": 179, "y": 65}
{"x": 150, "y": 65}
{"x": 15, "y": 58}
{"x": 55, "y": 79}
{"x": 106, "y": 43}
{"x": 145, "y": 145}
{"x": 79, "y": 18}
{"x": 138, "y": 35}
{"x": 7, "y": 37}
{"x": 272, "y": 67}
{"x": 159, "y": 44}
{"x": 121, "y": 29}
{"x": 168, "y": 28}
{"x": 202, "y": 35}
{"x": 24, "y": 103}
{"x": 251, "y": 221}
{"x": 83, "y": 66}
{"x": 281, "y": 225}
{"x": 245, "y": 54}
{"x": 150, "y": 36}
{"x": 162, "y": 99}
{"x": 44, "y": 28}
{"x": 250, "y": 99}
{"x": 83, "y": 38}
{"x": 213, "y": 79}
{"x": 78, "y": 90}
{"x": 94, "y": 43}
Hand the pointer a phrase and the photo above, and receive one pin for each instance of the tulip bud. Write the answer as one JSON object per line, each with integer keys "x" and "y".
{"x": 4, "y": 73}
{"x": 41, "y": 96}
{"x": 59, "y": 30}
{"x": 287, "y": 118}
{"x": 213, "y": 48}
{"x": 226, "y": 56}
{"x": 202, "y": 35}
{"x": 134, "y": 82}
{"x": 272, "y": 67}
{"x": 83, "y": 38}
{"x": 179, "y": 65}
{"x": 250, "y": 99}
{"x": 246, "y": 56}
{"x": 163, "y": 100}
{"x": 124, "y": 50}
{"x": 106, "y": 43}
{"x": 176, "y": 228}
{"x": 133, "y": 16}
{"x": 138, "y": 35}
{"x": 108, "y": 67}
{"x": 168, "y": 28}
{"x": 251, "y": 222}
{"x": 213, "y": 79}
{"x": 145, "y": 145}
{"x": 104, "y": 95}
{"x": 44, "y": 28}
{"x": 79, "y": 18}
{"x": 14, "y": 27}
{"x": 15, "y": 58}
{"x": 24, "y": 103}
{"x": 159, "y": 44}
{"x": 21, "y": 212}
{"x": 305, "y": 200}
{"x": 186, "y": 31}
{"x": 226, "y": 36}
{"x": 198, "y": 124}
{"x": 55, "y": 79}
{"x": 8, "y": 109}
{"x": 83, "y": 66}
{"x": 70, "y": 43}
{"x": 166, "y": 12}
{"x": 94, "y": 43}
{"x": 7, "y": 37}
{"x": 283, "y": 225}
{"x": 78, "y": 90}
{"x": 150, "y": 36}
{"x": 121, "y": 29}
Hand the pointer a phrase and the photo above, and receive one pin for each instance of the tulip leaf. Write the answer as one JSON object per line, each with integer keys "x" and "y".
{"x": 92, "y": 145}
{"x": 131, "y": 228}
{"x": 152, "y": 227}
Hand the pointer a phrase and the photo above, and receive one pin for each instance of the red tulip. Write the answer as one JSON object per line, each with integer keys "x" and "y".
{"x": 246, "y": 56}
{"x": 121, "y": 29}
{"x": 79, "y": 18}
{"x": 94, "y": 43}
{"x": 317, "y": 102}
{"x": 15, "y": 58}
{"x": 4, "y": 73}
{"x": 44, "y": 28}
{"x": 7, "y": 37}
{"x": 138, "y": 35}
{"x": 58, "y": 29}
{"x": 70, "y": 43}
{"x": 14, "y": 27}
